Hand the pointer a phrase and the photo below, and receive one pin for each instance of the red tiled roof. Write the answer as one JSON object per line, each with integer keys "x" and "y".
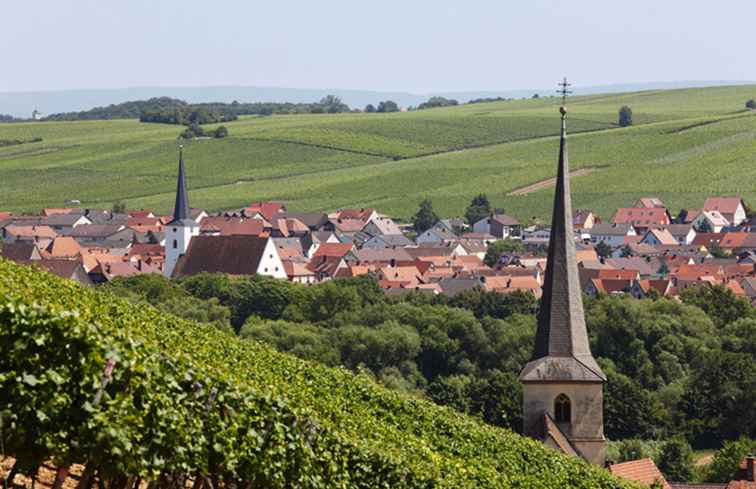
{"x": 725, "y": 205}
{"x": 233, "y": 226}
{"x": 643, "y": 471}
{"x": 641, "y": 216}
{"x": 333, "y": 249}
{"x": 266, "y": 209}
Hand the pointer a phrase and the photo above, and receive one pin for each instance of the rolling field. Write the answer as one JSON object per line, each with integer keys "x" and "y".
{"x": 684, "y": 145}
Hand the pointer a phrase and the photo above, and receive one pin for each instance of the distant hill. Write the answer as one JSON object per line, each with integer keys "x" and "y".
{"x": 684, "y": 145}
{"x": 21, "y": 104}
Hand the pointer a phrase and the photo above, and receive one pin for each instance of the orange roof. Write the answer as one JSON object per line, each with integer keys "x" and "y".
{"x": 296, "y": 269}
{"x": 232, "y": 226}
{"x": 405, "y": 275}
{"x": 31, "y": 231}
{"x": 64, "y": 246}
{"x": 142, "y": 213}
{"x": 733, "y": 240}
{"x": 586, "y": 255}
{"x": 611, "y": 274}
{"x": 333, "y": 249}
{"x": 735, "y": 287}
{"x": 641, "y": 216}
{"x": 266, "y": 209}
{"x": 643, "y": 471}
{"x": 56, "y": 210}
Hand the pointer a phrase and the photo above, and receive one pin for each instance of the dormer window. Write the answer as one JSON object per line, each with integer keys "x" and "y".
{"x": 562, "y": 409}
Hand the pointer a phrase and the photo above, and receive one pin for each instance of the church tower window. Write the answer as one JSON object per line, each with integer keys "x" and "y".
{"x": 562, "y": 409}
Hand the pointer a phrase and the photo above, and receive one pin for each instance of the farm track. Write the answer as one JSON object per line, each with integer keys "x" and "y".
{"x": 549, "y": 182}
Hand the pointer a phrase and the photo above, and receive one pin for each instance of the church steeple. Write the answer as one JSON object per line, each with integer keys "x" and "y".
{"x": 561, "y": 333}
{"x": 562, "y": 383}
{"x": 180, "y": 231}
{"x": 181, "y": 207}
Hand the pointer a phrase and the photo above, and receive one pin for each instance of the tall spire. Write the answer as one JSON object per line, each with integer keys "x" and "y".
{"x": 562, "y": 337}
{"x": 181, "y": 207}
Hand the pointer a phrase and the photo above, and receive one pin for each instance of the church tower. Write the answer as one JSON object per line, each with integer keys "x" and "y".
{"x": 181, "y": 229}
{"x": 562, "y": 383}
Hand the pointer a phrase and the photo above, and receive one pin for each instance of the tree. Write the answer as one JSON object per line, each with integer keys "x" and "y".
{"x": 625, "y": 116}
{"x": 425, "y": 218}
{"x": 498, "y": 248}
{"x": 603, "y": 250}
{"x": 704, "y": 226}
{"x": 221, "y": 132}
{"x": 434, "y": 102}
{"x": 479, "y": 208}
{"x": 718, "y": 302}
{"x": 370, "y": 108}
{"x": 119, "y": 207}
{"x": 725, "y": 463}
{"x": 751, "y": 104}
{"x": 626, "y": 251}
{"x": 631, "y": 449}
{"x": 676, "y": 460}
{"x": 333, "y": 104}
{"x": 388, "y": 106}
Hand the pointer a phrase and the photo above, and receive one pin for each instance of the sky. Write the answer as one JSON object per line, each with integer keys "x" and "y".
{"x": 405, "y": 45}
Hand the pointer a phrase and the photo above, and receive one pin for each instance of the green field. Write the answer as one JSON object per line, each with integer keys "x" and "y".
{"x": 684, "y": 145}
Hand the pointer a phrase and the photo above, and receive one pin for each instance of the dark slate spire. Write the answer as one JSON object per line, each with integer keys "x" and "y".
{"x": 181, "y": 207}
{"x": 562, "y": 351}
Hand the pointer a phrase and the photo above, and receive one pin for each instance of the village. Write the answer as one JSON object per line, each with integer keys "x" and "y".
{"x": 642, "y": 250}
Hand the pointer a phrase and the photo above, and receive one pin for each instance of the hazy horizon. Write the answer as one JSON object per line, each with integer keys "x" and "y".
{"x": 420, "y": 47}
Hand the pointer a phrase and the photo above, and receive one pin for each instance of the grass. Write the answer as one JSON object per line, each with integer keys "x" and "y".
{"x": 685, "y": 145}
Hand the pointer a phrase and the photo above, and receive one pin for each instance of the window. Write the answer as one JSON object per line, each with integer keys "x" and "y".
{"x": 174, "y": 230}
{"x": 175, "y": 244}
{"x": 562, "y": 409}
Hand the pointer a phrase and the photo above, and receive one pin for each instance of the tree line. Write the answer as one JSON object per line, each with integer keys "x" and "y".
{"x": 675, "y": 368}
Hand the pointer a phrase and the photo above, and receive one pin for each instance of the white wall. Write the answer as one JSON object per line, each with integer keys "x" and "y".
{"x": 270, "y": 263}
{"x": 180, "y": 236}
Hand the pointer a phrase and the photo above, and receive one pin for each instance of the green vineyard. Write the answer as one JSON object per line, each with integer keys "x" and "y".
{"x": 87, "y": 378}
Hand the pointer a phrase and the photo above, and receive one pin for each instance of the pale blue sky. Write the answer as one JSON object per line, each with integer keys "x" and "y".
{"x": 420, "y": 46}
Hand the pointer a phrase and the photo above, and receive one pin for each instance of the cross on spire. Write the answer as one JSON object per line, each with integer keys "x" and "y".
{"x": 564, "y": 90}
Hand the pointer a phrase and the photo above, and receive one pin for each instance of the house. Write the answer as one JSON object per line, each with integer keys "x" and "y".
{"x": 505, "y": 284}
{"x": 499, "y": 226}
{"x": 435, "y": 235}
{"x": 231, "y": 226}
{"x": 642, "y": 218}
{"x": 388, "y": 256}
{"x": 650, "y": 203}
{"x": 683, "y": 233}
{"x": 731, "y": 208}
{"x": 658, "y": 236}
{"x": 381, "y": 225}
{"x": 68, "y": 269}
{"x": 299, "y": 272}
{"x": 20, "y": 251}
{"x": 315, "y": 221}
{"x": 363, "y": 214}
{"x": 92, "y": 234}
{"x": 583, "y": 219}
{"x": 64, "y": 223}
{"x": 312, "y": 240}
{"x": 451, "y": 287}
{"x": 42, "y": 235}
{"x": 643, "y": 471}
{"x": 714, "y": 221}
{"x": 611, "y": 234}
{"x": 608, "y": 286}
{"x": 263, "y": 210}
{"x": 387, "y": 241}
{"x": 107, "y": 270}
{"x": 453, "y": 225}
{"x": 233, "y": 255}
{"x": 737, "y": 243}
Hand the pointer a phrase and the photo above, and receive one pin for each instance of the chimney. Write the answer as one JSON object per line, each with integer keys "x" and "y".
{"x": 749, "y": 468}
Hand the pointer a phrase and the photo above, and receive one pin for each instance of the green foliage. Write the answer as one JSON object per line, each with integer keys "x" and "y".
{"x": 370, "y": 108}
{"x": 676, "y": 460}
{"x": 435, "y": 102}
{"x": 479, "y": 208}
{"x": 388, "y": 106}
{"x": 220, "y": 132}
{"x": 603, "y": 249}
{"x": 727, "y": 459}
{"x": 424, "y": 218}
{"x": 751, "y": 104}
{"x": 625, "y": 116}
{"x": 187, "y": 399}
{"x": 119, "y": 207}
{"x": 718, "y": 302}
{"x": 497, "y": 249}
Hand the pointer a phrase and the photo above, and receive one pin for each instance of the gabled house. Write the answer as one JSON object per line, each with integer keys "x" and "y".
{"x": 643, "y": 472}
{"x": 731, "y": 208}
{"x": 658, "y": 236}
{"x": 583, "y": 219}
{"x": 499, "y": 226}
{"x": 642, "y": 218}
{"x": 435, "y": 235}
{"x": 381, "y": 225}
{"x": 612, "y": 234}
{"x": 233, "y": 255}
{"x": 714, "y": 220}
{"x": 387, "y": 241}
{"x": 650, "y": 203}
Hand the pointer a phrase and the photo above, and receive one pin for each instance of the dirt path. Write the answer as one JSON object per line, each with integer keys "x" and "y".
{"x": 549, "y": 182}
